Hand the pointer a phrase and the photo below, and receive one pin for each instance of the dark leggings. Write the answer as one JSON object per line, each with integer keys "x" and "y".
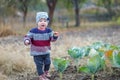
{"x": 42, "y": 63}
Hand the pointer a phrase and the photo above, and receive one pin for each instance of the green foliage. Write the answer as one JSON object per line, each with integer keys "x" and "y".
{"x": 118, "y": 20}
{"x": 94, "y": 64}
{"x": 84, "y": 69}
{"x": 7, "y": 7}
{"x": 60, "y": 64}
{"x": 96, "y": 49}
{"x": 100, "y": 48}
{"x": 97, "y": 45}
{"x": 86, "y": 50}
{"x": 116, "y": 59}
{"x": 105, "y": 3}
{"x": 69, "y": 3}
{"x": 78, "y": 53}
{"x": 38, "y": 5}
{"x": 75, "y": 52}
{"x": 100, "y": 53}
{"x": 110, "y": 5}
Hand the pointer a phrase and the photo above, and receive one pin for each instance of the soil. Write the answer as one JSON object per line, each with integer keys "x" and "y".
{"x": 112, "y": 34}
{"x": 71, "y": 74}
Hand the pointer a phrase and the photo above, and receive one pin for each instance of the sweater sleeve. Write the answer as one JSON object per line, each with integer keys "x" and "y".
{"x": 28, "y": 36}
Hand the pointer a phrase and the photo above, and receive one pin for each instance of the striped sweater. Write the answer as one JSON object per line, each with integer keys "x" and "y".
{"x": 40, "y": 41}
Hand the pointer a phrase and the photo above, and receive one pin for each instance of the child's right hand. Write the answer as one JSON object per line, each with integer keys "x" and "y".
{"x": 27, "y": 42}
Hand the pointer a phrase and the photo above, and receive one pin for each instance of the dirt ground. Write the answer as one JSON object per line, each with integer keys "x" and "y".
{"x": 70, "y": 74}
{"x": 107, "y": 34}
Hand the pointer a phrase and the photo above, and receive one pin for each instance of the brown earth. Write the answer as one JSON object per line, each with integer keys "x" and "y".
{"x": 71, "y": 74}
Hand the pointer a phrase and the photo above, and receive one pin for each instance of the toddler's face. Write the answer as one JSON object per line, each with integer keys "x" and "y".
{"x": 42, "y": 24}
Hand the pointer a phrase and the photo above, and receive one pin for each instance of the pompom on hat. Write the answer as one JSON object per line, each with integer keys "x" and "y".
{"x": 40, "y": 15}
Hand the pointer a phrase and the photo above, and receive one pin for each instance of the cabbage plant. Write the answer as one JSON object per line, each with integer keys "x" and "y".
{"x": 99, "y": 48}
{"x": 60, "y": 65}
{"x": 94, "y": 64}
{"x": 112, "y": 56}
{"x": 78, "y": 53}
{"x": 116, "y": 59}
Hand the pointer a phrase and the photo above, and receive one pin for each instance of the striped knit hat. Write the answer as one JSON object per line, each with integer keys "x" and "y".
{"x": 40, "y": 15}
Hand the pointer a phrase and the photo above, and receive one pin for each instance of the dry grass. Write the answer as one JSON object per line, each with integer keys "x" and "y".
{"x": 6, "y": 31}
{"x": 3, "y": 77}
{"x": 84, "y": 25}
{"x": 14, "y": 58}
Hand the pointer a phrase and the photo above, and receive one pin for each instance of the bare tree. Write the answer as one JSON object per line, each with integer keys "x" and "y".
{"x": 51, "y": 6}
{"x": 21, "y": 5}
{"x": 76, "y": 8}
{"x": 76, "y": 5}
{"x": 24, "y": 9}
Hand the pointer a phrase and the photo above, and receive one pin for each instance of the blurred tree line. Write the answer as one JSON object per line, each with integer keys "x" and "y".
{"x": 9, "y": 7}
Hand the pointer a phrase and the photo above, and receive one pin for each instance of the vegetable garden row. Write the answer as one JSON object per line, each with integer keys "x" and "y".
{"x": 100, "y": 56}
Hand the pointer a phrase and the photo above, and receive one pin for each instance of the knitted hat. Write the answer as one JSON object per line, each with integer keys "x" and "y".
{"x": 40, "y": 15}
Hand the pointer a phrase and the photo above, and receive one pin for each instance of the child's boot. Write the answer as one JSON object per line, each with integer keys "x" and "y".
{"x": 47, "y": 74}
{"x": 42, "y": 77}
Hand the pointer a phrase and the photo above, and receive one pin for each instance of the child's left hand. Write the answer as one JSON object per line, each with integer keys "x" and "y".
{"x": 56, "y": 34}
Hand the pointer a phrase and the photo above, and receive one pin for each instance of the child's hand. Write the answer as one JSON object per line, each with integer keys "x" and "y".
{"x": 27, "y": 42}
{"x": 56, "y": 34}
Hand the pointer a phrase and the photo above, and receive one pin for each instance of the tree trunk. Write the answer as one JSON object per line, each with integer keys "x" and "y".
{"x": 25, "y": 15}
{"x": 76, "y": 8}
{"x": 24, "y": 9}
{"x": 51, "y": 6}
{"x": 51, "y": 13}
{"x": 108, "y": 6}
